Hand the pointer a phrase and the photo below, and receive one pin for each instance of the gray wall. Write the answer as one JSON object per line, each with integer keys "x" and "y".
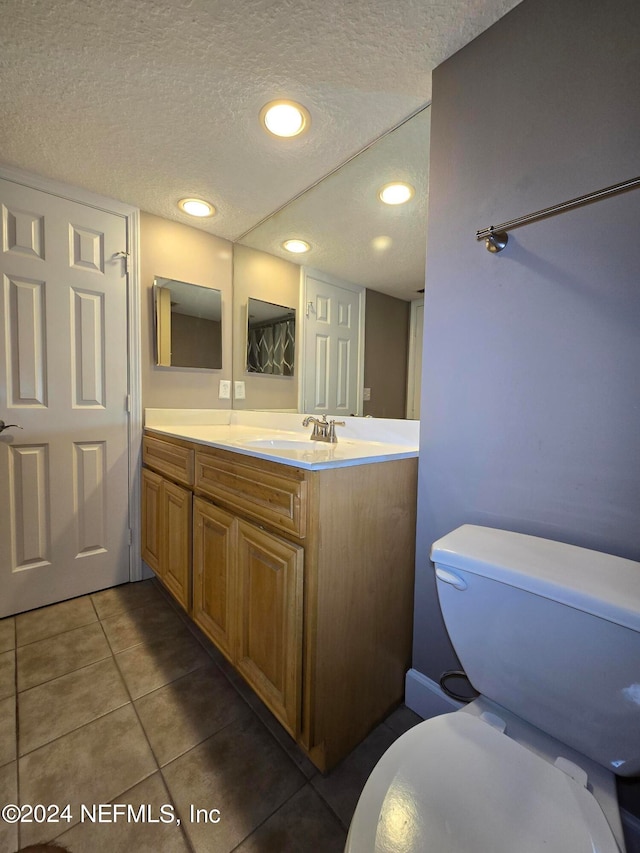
{"x": 386, "y": 353}
{"x": 531, "y": 367}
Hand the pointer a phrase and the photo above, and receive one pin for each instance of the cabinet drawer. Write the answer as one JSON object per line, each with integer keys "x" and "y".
{"x": 266, "y": 493}
{"x": 173, "y": 460}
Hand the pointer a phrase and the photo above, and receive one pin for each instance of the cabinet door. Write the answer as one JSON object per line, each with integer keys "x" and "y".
{"x": 176, "y": 546}
{"x": 269, "y": 601}
{"x": 151, "y": 502}
{"x": 213, "y": 575}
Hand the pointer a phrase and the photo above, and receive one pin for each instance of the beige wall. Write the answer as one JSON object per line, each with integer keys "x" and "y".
{"x": 271, "y": 279}
{"x": 172, "y": 250}
{"x": 386, "y": 354}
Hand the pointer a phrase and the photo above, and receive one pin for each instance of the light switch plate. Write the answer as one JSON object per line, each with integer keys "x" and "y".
{"x": 224, "y": 389}
{"x": 366, "y": 394}
{"x": 238, "y": 390}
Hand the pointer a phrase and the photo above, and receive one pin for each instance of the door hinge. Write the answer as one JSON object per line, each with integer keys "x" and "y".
{"x": 127, "y": 403}
{"x": 130, "y": 537}
{"x": 125, "y": 258}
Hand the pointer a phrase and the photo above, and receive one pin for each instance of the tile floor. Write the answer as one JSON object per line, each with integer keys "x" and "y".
{"x": 116, "y": 698}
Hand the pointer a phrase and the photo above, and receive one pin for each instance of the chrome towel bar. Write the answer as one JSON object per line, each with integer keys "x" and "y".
{"x": 496, "y": 237}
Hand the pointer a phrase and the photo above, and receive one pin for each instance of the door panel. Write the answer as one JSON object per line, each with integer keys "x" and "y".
{"x": 26, "y": 346}
{"x": 28, "y": 487}
{"x": 64, "y": 477}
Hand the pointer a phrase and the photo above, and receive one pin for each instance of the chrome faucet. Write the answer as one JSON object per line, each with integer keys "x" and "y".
{"x": 323, "y": 430}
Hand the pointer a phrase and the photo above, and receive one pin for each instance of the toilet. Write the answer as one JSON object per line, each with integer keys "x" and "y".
{"x": 549, "y": 635}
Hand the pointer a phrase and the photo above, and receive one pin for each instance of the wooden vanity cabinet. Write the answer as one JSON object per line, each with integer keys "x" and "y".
{"x": 166, "y": 516}
{"x": 304, "y": 580}
{"x": 248, "y": 580}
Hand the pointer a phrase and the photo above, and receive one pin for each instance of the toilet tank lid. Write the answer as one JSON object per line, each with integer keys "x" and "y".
{"x": 597, "y": 583}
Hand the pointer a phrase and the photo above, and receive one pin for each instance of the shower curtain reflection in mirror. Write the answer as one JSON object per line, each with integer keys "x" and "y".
{"x": 271, "y": 337}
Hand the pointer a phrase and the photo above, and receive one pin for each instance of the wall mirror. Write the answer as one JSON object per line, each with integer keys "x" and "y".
{"x": 271, "y": 338}
{"x": 354, "y": 238}
{"x": 188, "y": 320}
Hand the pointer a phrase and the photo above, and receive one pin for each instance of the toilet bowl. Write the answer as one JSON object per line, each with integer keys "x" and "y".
{"x": 549, "y": 634}
{"x": 458, "y": 784}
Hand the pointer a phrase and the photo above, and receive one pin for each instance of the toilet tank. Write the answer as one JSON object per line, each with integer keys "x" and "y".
{"x": 549, "y": 631}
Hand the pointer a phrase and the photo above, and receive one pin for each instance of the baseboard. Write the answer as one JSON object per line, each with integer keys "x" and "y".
{"x": 631, "y": 827}
{"x": 146, "y": 571}
{"x": 427, "y": 698}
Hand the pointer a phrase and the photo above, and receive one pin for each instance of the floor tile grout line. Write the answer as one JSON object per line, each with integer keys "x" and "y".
{"x": 179, "y": 678}
{"x": 63, "y": 674}
{"x": 95, "y": 609}
{"x": 125, "y": 609}
{"x": 155, "y": 758}
{"x": 197, "y": 745}
{"x": 145, "y": 640}
{"x": 57, "y": 634}
{"x": 182, "y": 828}
{"x": 333, "y": 811}
{"x": 146, "y": 737}
{"x": 76, "y": 729}
{"x": 121, "y": 796}
{"x": 135, "y": 710}
{"x": 210, "y": 737}
{"x": 268, "y": 818}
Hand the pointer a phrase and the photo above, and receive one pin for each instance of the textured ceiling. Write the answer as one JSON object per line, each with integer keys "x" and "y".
{"x": 352, "y": 235}
{"x": 149, "y": 101}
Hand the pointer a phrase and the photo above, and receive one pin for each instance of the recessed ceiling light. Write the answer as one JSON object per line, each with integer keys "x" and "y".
{"x": 285, "y": 118}
{"x": 381, "y": 243}
{"x": 196, "y": 207}
{"x": 396, "y": 193}
{"x": 298, "y": 247}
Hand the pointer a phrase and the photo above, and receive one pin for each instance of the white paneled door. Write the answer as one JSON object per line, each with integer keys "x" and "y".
{"x": 64, "y": 476}
{"x": 333, "y": 346}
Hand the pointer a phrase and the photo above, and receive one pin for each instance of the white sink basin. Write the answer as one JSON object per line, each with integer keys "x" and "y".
{"x": 280, "y": 443}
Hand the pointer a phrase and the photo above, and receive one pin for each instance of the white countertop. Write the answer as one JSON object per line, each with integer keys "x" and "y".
{"x": 280, "y": 437}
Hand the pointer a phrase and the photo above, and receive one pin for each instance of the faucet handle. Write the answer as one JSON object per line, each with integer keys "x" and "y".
{"x": 331, "y": 434}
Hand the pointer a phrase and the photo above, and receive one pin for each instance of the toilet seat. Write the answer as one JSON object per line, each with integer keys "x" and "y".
{"x": 456, "y": 784}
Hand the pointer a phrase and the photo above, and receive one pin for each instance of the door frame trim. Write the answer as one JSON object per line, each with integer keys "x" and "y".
{"x": 131, "y": 215}
{"x": 415, "y": 357}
